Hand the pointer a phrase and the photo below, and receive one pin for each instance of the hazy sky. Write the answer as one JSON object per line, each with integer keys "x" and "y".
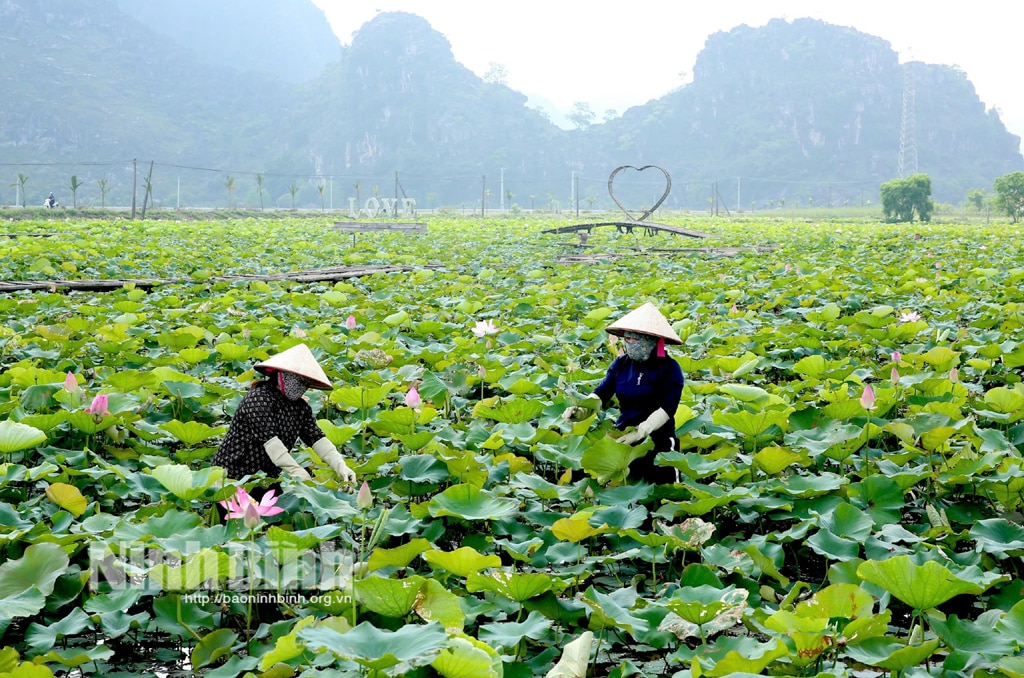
{"x": 621, "y": 54}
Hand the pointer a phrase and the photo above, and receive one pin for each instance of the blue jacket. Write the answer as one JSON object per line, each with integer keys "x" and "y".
{"x": 641, "y": 387}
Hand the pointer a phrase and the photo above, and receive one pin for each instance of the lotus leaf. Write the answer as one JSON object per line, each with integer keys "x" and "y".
{"x": 26, "y": 582}
{"x": 377, "y": 649}
{"x": 15, "y": 436}
{"x": 463, "y": 561}
{"x": 924, "y": 586}
{"x": 68, "y": 497}
{"x": 389, "y": 597}
{"x": 471, "y": 503}
{"x": 466, "y": 657}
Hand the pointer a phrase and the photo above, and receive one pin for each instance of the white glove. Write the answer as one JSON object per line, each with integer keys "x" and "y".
{"x": 279, "y": 454}
{"x": 657, "y": 419}
{"x": 572, "y": 413}
{"x": 326, "y": 450}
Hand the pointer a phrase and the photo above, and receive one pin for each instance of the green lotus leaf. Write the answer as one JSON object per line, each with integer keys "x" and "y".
{"x": 1004, "y": 400}
{"x": 39, "y": 397}
{"x": 890, "y": 654}
{"x": 514, "y": 586}
{"x": 192, "y": 432}
{"x": 339, "y": 435}
{"x": 212, "y": 647}
{"x": 388, "y": 597}
{"x": 229, "y": 351}
{"x": 130, "y": 381}
{"x": 614, "y": 610}
{"x": 701, "y": 604}
{"x": 470, "y": 503}
{"x": 972, "y": 637}
{"x": 42, "y": 638}
{"x": 466, "y": 657}
{"x": 184, "y": 483}
{"x": 87, "y": 423}
{"x": 607, "y": 459}
{"x": 741, "y": 657}
{"x": 183, "y": 389}
{"x": 998, "y": 536}
{"x": 514, "y": 411}
{"x": 15, "y": 436}
{"x": 837, "y": 600}
{"x": 194, "y": 355}
{"x": 774, "y": 460}
{"x": 922, "y": 587}
{"x": 576, "y": 528}
{"x": 437, "y": 603}
{"x": 400, "y": 556}
{"x": 360, "y": 397}
{"x": 940, "y": 357}
{"x": 44, "y": 422}
{"x": 751, "y": 424}
{"x": 399, "y": 421}
{"x": 26, "y": 582}
{"x": 205, "y": 565}
{"x": 288, "y": 546}
{"x": 811, "y": 366}
{"x": 463, "y": 561}
{"x": 415, "y": 644}
{"x": 508, "y": 635}
{"x": 68, "y": 497}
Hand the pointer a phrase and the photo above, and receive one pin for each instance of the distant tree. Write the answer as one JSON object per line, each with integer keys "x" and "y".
{"x": 1010, "y": 195}
{"x": 430, "y": 198}
{"x": 19, "y": 185}
{"x": 610, "y": 114}
{"x": 976, "y": 197}
{"x": 229, "y": 184}
{"x": 356, "y": 186}
{"x": 293, "y": 189}
{"x": 496, "y": 74}
{"x": 259, "y": 187}
{"x": 532, "y": 198}
{"x": 902, "y": 199}
{"x": 581, "y": 116}
{"x": 590, "y": 202}
{"x": 320, "y": 190}
{"x": 75, "y": 185}
{"x": 103, "y": 191}
{"x": 508, "y": 197}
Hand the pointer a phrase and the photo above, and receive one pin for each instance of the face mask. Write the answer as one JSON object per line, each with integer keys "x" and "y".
{"x": 291, "y": 385}
{"x": 639, "y": 346}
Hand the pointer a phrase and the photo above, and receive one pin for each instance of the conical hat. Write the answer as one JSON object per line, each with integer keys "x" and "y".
{"x": 298, "y": 360}
{"x": 647, "y": 320}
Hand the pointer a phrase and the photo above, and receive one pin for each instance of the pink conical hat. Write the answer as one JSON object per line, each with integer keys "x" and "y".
{"x": 298, "y": 360}
{"x": 647, "y": 320}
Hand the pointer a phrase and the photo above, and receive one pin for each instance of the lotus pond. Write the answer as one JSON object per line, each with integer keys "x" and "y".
{"x": 850, "y": 481}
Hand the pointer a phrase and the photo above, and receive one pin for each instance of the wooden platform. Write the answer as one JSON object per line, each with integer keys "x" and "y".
{"x": 629, "y": 226}
{"x": 328, "y": 274}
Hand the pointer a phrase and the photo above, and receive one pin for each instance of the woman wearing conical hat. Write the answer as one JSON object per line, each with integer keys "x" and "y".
{"x": 647, "y": 383}
{"x": 273, "y": 415}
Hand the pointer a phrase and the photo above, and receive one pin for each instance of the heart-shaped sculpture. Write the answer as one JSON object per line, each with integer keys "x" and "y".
{"x": 611, "y": 191}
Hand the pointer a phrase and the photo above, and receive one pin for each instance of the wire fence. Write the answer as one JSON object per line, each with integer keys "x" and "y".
{"x": 131, "y": 182}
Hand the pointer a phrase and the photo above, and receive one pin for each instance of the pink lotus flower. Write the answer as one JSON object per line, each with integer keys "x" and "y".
{"x": 70, "y": 383}
{"x": 897, "y": 356}
{"x": 954, "y": 375}
{"x": 412, "y": 398}
{"x": 909, "y": 316}
{"x": 364, "y": 497}
{"x": 938, "y": 264}
{"x": 245, "y": 507}
{"x": 299, "y": 332}
{"x": 867, "y": 399}
{"x": 789, "y": 267}
{"x": 98, "y": 405}
{"x": 484, "y": 327}
{"x": 894, "y": 376}
{"x": 350, "y": 322}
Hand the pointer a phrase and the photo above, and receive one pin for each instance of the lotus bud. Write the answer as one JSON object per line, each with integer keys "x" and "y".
{"x": 867, "y": 398}
{"x": 364, "y": 498}
{"x": 350, "y": 322}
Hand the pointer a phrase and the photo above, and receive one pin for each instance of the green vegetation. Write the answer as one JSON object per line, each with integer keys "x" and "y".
{"x": 850, "y": 466}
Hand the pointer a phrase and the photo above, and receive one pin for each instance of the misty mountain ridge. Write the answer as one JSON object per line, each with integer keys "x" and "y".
{"x": 798, "y": 111}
